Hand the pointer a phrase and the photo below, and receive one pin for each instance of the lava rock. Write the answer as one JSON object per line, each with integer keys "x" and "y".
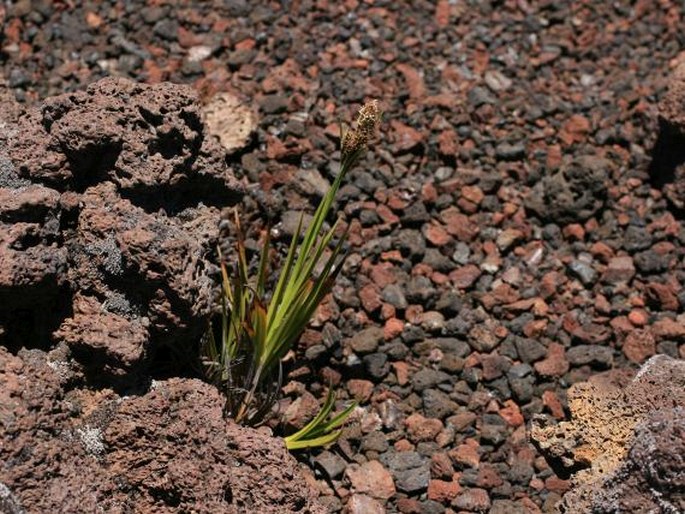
{"x": 573, "y": 193}
{"x": 211, "y": 464}
{"x": 124, "y": 230}
{"x": 410, "y": 470}
{"x": 594, "y": 355}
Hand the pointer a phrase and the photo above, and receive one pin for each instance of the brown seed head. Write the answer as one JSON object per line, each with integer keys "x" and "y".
{"x": 356, "y": 140}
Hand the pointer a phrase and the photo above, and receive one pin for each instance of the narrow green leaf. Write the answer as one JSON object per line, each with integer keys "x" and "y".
{"x": 259, "y": 321}
{"x": 324, "y": 440}
{"x": 283, "y": 278}
{"x": 263, "y": 266}
{"x": 323, "y": 413}
{"x": 319, "y": 432}
{"x": 341, "y": 418}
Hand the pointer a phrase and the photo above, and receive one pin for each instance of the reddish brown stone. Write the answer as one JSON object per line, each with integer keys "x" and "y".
{"x": 402, "y": 371}
{"x": 459, "y": 225}
{"x": 448, "y": 143}
{"x": 393, "y": 328}
{"x": 462, "y": 420}
{"x": 557, "y": 485}
{"x": 363, "y": 504}
{"x": 488, "y": 477}
{"x": 667, "y": 328}
{"x": 387, "y": 215}
{"x": 512, "y": 414}
{"x": 638, "y": 317}
{"x": 663, "y": 296}
{"x": 551, "y": 401}
{"x": 465, "y": 276}
{"x": 404, "y": 445}
{"x": 601, "y": 252}
{"x": 555, "y": 364}
{"x": 383, "y": 274}
{"x": 370, "y": 478}
{"x": 550, "y": 283}
{"x": 429, "y": 193}
{"x": 442, "y": 13}
{"x": 574, "y": 232}
{"x": 535, "y": 328}
{"x": 466, "y": 454}
{"x": 421, "y": 428}
{"x": 602, "y": 305}
{"x": 619, "y": 270}
{"x": 412, "y": 77}
{"x": 473, "y": 500}
{"x": 406, "y": 138}
{"x": 493, "y": 366}
{"x": 621, "y": 325}
{"x": 441, "y": 466}
{"x": 472, "y": 194}
{"x": 575, "y": 130}
{"x": 409, "y": 506}
{"x": 591, "y": 333}
{"x": 443, "y": 491}
{"x": 370, "y": 298}
{"x": 639, "y": 345}
{"x": 360, "y": 389}
{"x": 436, "y": 234}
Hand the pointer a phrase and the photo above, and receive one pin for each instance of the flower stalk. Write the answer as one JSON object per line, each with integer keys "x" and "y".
{"x": 257, "y": 330}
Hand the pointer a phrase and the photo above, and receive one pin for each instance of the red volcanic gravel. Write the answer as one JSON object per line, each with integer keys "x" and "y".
{"x": 515, "y": 228}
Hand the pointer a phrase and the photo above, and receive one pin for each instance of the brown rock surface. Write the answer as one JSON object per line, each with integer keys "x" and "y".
{"x": 619, "y": 436}
{"x": 651, "y": 478}
{"x": 139, "y": 137}
{"x": 109, "y": 211}
{"x": 672, "y": 106}
{"x": 72, "y": 449}
{"x": 371, "y": 478}
{"x": 668, "y": 168}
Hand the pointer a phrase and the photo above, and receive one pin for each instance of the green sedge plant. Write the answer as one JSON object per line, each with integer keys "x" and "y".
{"x": 257, "y": 327}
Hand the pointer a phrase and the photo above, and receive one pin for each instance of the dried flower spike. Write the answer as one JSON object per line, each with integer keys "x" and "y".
{"x": 256, "y": 330}
{"x": 356, "y": 140}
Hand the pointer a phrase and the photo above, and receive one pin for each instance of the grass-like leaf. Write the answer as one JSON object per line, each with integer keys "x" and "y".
{"x": 320, "y": 431}
{"x": 257, "y": 329}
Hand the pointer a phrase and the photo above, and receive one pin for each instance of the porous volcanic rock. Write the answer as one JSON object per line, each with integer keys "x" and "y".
{"x": 668, "y": 167}
{"x": 624, "y": 441}
{"x": 574, "y": 192}
{"x": 109, "y": 210}
{"x": 67, "y": 448}
{"x": 672, "y": 105}
{"x": 652, "y": 477}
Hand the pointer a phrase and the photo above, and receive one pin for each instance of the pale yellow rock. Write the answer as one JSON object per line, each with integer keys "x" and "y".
{"x": 604, "y": 414}
{"x": 230, "y": 120}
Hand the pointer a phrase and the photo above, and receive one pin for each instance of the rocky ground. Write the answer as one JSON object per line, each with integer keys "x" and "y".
{"x": 516, "y": 228}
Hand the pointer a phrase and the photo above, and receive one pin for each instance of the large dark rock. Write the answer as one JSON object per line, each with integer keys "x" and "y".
{"x": 148, "y": 140}
{"x": 574, "y": 192}
{"x": 625, "y": 442}
{"x": 672, "y": 105}
{"x": 668, "y": 165}
{"x": 109, "y": 210}
{"x": 652, "y": 477}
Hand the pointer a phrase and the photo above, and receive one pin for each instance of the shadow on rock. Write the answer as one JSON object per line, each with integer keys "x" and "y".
{"x": 167, "y": 451}
{"x": 667, "y": 170}
{"x": 109, "y": 211}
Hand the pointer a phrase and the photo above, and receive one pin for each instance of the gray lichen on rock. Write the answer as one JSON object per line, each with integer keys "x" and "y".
{"x": 624, "y": 443}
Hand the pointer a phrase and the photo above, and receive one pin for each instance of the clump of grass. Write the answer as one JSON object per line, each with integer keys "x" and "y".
{"x": 259, "y": 327}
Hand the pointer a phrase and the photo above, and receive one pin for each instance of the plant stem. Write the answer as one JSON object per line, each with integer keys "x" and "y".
{"x": 247, "y": 399}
